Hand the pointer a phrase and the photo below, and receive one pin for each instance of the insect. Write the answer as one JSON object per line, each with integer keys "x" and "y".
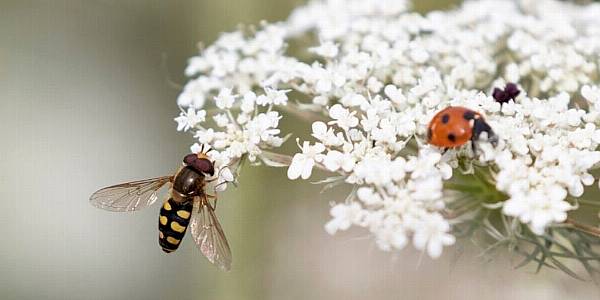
{"x": 187, "y": 204}
{"x": 454, "y": 126}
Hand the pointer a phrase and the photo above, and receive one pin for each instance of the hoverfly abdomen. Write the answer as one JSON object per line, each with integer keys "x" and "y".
{"x": 172, "y": 223}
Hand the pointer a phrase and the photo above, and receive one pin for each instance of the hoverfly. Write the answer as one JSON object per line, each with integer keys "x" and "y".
{"x": 187, "y": 204}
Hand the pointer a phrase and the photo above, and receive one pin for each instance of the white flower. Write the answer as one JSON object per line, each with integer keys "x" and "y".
{"x": 430, "y": 80}
{"x": 303, "y": 163}
{"x": 272, "y": 96}
{"x": 222, "y": 120}
{"x": 326, "y": 135}
{"x": 196, "y": 148}
{"x": 193, "y": 94}
{"x": 225, "y": 177}
{"x": 342, "y": 117}
{"x": 205, "y": 137}
{"x": 264, "y": 128}
{"x": 432, "y": 235}
{"x": 344, "y": 216}
{"x": 190, "y": 119}
{"x": 395, "y": 94}
{"x": 248, "y": 102}
{"x": 539, "y": 208}
{"x": 352, "y": 99}
{"x": 327, "y": 50}
{"x": 374, "y": 170}
{"x": 225, "y": 99}
{"x": 335, "y": 160}
{"x": 368, "y": 196}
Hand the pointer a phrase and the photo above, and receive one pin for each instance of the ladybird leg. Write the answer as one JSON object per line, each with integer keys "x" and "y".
{"x": 493, "y": 138}
{"x": 445, "y": 150}
{"x": 474, "y": 146}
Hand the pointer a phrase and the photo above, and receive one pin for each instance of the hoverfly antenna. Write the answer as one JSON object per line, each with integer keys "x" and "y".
{"x": 204, "y": 150}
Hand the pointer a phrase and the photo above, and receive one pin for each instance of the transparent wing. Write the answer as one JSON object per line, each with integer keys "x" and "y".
{"x": 129, "y": 196}
{"x": 209, "y": 236}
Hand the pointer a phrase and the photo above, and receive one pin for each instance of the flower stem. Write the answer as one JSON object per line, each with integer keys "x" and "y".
{"x": 305, "y": 115}
{"x": 592, "y": 230}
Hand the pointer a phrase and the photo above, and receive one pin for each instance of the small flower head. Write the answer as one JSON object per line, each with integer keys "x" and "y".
{"x": 303, "y": 163}
{"x": 191, "y": 118}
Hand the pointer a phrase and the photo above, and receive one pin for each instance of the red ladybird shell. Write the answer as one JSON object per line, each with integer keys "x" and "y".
{"x": 452, "y": 127}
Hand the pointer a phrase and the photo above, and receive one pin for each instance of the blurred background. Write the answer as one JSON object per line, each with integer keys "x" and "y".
{"x": 86, "y": 101}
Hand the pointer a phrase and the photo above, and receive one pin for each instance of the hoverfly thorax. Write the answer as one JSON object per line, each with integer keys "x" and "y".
{"x": 188, "y": 183}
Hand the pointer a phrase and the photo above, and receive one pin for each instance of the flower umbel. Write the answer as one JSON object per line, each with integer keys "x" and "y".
{"x": 368, "y": 90}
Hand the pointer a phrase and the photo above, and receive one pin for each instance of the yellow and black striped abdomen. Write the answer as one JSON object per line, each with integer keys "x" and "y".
{"x": 172, "y": 223}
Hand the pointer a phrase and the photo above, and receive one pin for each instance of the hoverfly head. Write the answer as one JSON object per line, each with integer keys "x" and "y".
{"x": 200, "y": 162}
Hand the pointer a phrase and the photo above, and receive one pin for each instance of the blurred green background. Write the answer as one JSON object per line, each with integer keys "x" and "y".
{"x": 85, "y": 102}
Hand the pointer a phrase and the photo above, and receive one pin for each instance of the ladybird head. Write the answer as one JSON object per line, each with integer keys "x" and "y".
{"x": 200, "y": 162}
{"x": 480, "y": 126}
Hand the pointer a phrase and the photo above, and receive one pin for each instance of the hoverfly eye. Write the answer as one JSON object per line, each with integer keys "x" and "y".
{"x": 205, "y": 166}
{"x": 190, "y": 159}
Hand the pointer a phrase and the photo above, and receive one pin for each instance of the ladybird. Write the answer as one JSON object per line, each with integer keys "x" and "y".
{"x": 454, "y": 126}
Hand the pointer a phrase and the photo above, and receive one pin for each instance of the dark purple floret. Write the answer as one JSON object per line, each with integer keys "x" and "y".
{"x": 510, "y": 92}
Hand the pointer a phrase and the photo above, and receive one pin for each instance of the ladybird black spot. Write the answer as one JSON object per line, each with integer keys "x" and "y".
{"x": 445, "y": 118}
{"x": 452, "y": 137}
{"x": 469, "y": 115}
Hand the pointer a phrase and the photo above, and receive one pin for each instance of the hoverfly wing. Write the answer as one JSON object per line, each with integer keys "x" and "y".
{"x": 129, "y": 196}
{"x": 209, "y": 236}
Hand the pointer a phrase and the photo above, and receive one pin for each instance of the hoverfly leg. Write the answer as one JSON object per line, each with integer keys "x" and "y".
{"x": 214, "y": 197}
{"x": 222, "y": 183}
{"x": 218, "y": 174}
{"x": 221, "y": 170}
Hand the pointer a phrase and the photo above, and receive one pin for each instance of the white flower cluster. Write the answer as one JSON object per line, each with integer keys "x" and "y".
{"x": 230, "y": 73}
{"x": 378, "y": 75}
